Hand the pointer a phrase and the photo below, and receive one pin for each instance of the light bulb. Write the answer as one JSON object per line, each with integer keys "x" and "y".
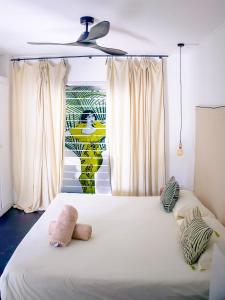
{"x": 180, "y": 151}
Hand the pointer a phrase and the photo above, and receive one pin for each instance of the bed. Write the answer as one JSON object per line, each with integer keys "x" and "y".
{"x": 134, "y": 253}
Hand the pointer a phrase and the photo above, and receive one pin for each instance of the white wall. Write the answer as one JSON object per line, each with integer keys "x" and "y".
{"x": 86, "y": 69}
{"x": 179, "y": 166}
{"x": 208, "y": 70}
{"x": 4, "y": 65}
{"x": 203, "y": 84}
{"x": 5, "y": 143}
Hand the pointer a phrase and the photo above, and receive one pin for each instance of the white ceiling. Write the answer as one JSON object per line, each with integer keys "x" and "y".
{"x": 137, "y": 26}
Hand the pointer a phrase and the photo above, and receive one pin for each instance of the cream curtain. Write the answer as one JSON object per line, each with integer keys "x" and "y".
{"x": 38, "y": 132}
{"x": 136, "y": 126}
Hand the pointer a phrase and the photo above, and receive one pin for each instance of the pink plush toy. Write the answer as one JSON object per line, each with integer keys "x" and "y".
{"x": 81, "y": 231}
{"x": 63, "y": 229}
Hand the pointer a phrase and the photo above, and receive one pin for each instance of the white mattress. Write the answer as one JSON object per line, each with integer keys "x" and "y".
{"x": 134, "y": 254}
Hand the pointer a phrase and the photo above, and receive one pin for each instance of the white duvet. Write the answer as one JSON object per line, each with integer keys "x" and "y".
{"x": 134, "y": 253}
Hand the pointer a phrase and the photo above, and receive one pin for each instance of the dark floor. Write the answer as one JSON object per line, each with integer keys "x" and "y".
{"x": 13, "y": 227}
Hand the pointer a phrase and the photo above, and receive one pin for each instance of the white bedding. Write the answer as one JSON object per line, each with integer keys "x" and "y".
{"x": 134, "y": 254}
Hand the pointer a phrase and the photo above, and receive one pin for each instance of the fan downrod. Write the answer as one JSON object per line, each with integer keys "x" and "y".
{"x": 86, "y": 20}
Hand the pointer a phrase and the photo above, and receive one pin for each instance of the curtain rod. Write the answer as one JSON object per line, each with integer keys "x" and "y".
{"x": 83, "y": 56}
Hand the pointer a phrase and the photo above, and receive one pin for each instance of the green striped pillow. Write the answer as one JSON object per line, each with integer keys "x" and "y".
{"x": 195, "y": 236}
{"x": 170, "y": 194}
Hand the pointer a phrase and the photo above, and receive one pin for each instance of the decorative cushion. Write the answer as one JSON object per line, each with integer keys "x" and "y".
{"x": 195, "y": 236}
{"x": 218, "y": 237}
{"x": 170, "y": 194}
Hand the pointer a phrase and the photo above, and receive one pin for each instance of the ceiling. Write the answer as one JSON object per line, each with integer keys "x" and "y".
{"x": 137, "y": 26}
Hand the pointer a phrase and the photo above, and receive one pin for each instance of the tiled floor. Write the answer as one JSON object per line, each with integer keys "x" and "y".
{"x": 13, "y": 227}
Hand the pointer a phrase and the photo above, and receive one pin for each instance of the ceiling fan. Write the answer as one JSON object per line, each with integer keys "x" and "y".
{"x": 88, "y": 38}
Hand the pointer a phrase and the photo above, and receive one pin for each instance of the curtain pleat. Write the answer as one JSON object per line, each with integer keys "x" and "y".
{"x": 38, "y": 114}
{"x": 136, "y": 126}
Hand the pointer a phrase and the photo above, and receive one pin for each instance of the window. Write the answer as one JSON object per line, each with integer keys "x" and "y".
{"x": 86, "y": 168}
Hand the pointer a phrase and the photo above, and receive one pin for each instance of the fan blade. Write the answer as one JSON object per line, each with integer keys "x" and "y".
{"x": 110, "y": 51}
{"x": 90, "y": 44}
{"x": 97, "y": 31}
{"x": 63, "y": 44}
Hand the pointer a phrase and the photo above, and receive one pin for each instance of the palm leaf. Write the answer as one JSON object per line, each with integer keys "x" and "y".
{"x": 79, "y": 99}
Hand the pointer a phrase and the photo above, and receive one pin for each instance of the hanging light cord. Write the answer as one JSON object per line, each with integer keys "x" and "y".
{"x": 181, "y": 98}
{"x": 181, "y": 109}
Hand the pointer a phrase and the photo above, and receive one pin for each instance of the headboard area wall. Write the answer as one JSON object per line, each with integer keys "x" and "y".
{"x": 209, "y": 181}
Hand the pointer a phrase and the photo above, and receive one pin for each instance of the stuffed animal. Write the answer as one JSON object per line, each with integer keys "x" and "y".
{"x": 80, "y": 232}
{"x": 64, "y": 227}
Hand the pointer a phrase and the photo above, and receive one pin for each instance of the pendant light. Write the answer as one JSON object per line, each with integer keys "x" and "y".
{"x": 180, "y": 150}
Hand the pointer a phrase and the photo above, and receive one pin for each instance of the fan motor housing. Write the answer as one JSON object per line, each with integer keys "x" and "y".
{"x": 86, "y": 20}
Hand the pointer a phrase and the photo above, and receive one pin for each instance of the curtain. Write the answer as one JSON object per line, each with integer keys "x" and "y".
{"x": 38, "y": 132}
{"x": 136, "y": 126}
